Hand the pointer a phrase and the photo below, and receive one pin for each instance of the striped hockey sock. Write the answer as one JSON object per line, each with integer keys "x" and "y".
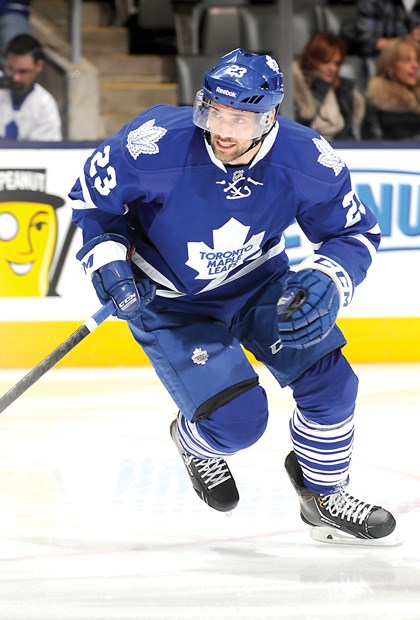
{"x": 323, "y": 452}
{"x": 192, "y": 442}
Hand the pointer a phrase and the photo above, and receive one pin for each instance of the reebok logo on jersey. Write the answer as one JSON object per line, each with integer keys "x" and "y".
{"x": 230, "y": 250}
{"x": 142, "y": 141}
{"x": 225, "y": 91}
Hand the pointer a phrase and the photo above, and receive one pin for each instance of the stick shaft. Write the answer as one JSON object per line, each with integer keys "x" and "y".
{"x": 55, "y": 356}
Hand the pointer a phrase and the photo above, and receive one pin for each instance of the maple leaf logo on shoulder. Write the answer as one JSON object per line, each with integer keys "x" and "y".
{"x": 328, "y": 158}
{"x": 143, "y": 140}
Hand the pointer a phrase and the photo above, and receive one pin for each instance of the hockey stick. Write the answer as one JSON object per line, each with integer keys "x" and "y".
{"x": 55, "y": 356}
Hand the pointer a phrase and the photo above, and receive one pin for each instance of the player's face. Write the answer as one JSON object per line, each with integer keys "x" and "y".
{"x": 229, "y": 134}
{"x": 23, "y": 70}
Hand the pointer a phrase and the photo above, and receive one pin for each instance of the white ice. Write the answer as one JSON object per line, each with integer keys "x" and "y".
{"x": 98, "y": 520}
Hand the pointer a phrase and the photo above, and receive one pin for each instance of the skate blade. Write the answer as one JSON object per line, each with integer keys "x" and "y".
{"x": 336, "y": 537}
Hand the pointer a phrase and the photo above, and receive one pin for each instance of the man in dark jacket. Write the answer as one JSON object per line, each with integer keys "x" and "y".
{"x": 380, "y": 21}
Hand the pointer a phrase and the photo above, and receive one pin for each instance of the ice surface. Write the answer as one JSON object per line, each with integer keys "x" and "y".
{"x": 99, "y": 521}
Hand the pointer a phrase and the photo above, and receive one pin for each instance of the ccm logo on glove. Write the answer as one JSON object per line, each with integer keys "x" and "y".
{"x": 335, "y": 271}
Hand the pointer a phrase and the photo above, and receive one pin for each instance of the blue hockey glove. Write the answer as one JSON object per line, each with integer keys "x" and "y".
{"x": 307, "y": 309}
{"x": 105, "y": 259}
{"x": 311, "y": 300}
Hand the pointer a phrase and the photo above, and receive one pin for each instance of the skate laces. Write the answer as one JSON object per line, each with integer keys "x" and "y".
{"x": 346, "y": 507}
{"x": 212, "y": 471}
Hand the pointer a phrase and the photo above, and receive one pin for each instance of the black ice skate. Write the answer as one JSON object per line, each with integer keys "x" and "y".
{"x": 211, "y": 478}
{"x": 340, "y": 517}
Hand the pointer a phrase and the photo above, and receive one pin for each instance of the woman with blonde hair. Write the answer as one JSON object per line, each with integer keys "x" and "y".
{"x": 323, "y": 99}
{"x": 393, "y": 95}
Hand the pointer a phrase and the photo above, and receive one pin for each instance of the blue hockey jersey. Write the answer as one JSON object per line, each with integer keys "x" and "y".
{"x": 211, "y": 235}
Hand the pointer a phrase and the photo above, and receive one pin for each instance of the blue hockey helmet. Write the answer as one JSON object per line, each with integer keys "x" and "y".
{"x": 243, "y": 81}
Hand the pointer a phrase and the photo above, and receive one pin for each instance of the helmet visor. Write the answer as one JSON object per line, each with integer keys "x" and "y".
{"x": 230, "y": 122}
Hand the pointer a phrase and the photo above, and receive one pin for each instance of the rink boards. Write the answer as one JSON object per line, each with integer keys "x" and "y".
{"x": 25, "y": 344}
{"x": 38, "y": 310}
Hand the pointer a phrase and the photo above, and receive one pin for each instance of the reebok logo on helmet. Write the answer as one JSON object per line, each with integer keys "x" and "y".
{"x": 225, "y": 91}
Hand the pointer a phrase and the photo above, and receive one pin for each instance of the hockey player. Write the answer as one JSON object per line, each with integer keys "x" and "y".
{"x": 195, "y": 201}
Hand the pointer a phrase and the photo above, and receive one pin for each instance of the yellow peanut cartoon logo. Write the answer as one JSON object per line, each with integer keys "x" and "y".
{"x": 28, "y": 233}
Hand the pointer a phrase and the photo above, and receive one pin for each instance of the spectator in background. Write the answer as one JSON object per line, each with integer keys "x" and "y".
{"x": 27, "y": 110}
{"x": 393, "y": 95}
{"x": 378, "y": 22}
{"x": 323, "y": 100}
{"x": 14, "y": 20}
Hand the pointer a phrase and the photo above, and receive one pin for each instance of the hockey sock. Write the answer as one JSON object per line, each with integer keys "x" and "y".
{"x": 323, "y": 452}
{"x": 193, "y": 443}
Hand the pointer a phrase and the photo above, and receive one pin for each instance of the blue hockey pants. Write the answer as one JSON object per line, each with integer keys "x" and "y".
{"x": 202, "y": 363}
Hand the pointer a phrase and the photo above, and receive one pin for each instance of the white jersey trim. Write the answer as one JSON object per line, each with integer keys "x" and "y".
{"x": 156, "y": 276}
{"x": 361, "y": 238}
{"x": 266, "y": 145}
{"x": 81, "y": 205}
{"x": 85, "y": 191}
{"x": 371, "y": 248}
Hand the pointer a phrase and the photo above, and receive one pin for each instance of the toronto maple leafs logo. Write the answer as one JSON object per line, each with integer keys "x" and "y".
{"x": 230, "y": 250}
{"x": 272, "y": 64}
{"x": 143, "y": 140}
{"x": 328, "y": 158}
{"x": 200, "y": 356}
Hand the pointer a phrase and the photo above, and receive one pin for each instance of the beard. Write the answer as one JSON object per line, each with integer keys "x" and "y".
{"x": 228, "y": 150}
{"x": 20, "y": 89}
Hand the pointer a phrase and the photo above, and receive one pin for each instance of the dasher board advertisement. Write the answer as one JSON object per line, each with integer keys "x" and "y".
{"x": 38, "y": 243}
